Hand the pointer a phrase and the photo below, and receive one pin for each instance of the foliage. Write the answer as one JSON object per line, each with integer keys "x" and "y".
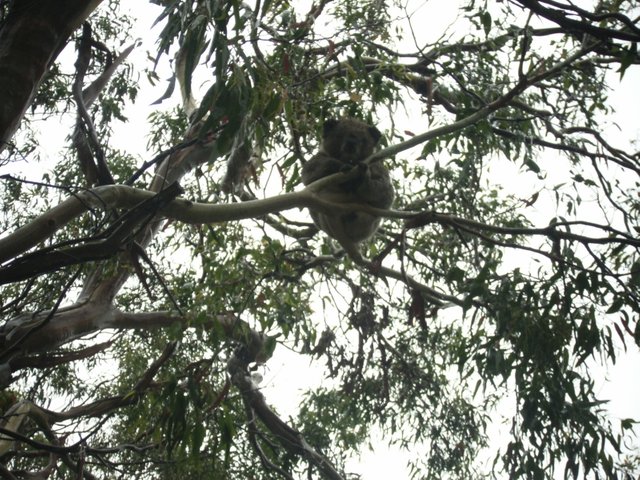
{"x": 485, "y": 306}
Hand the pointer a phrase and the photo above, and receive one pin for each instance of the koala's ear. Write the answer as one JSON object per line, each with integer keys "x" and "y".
{"x": 375, "y": 134}
{"x": 328, "y": 126}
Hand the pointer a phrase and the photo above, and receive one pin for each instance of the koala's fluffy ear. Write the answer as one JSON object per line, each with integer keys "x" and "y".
{"x": 328, "y": 126}
{"x": 375, "y": 134}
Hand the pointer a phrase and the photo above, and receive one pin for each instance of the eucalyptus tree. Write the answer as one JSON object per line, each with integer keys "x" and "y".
{"x": 144, "y": 295}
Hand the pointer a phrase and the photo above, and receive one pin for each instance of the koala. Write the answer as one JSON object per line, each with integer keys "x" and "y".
{"x": 345, "y": 144}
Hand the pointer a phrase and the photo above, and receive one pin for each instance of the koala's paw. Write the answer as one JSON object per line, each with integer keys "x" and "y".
{"x": 364, "y": 172}
{"x": 363, "y": 169}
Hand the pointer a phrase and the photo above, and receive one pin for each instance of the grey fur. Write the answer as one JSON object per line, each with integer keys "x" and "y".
{"x": 345, "y": 144}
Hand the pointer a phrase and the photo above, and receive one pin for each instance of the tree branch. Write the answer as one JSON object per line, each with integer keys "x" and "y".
{"x": 102, "y": 246}
{"x": 291, "y": 439}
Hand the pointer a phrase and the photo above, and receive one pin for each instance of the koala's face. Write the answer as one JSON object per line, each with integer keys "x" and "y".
{"x": 349, "y": 140}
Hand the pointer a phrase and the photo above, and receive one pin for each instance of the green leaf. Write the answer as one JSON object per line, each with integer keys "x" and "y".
{"x": 531, "y": 165}
{"x": 198, "y": 433}
{"x": 616, "y": 305}
{"x": 485, "y": 19}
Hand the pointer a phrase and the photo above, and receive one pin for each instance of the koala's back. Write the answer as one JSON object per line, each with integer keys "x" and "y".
{"x": 348, "y": 228}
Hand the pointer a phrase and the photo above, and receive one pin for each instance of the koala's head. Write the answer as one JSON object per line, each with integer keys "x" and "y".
{"x": 349, "y": 140}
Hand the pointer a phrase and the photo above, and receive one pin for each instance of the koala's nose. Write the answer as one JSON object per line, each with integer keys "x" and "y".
{"x": 350, "y": 145}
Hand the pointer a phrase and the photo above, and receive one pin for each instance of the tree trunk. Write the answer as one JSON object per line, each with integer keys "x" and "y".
{"x": 31, "y": 37}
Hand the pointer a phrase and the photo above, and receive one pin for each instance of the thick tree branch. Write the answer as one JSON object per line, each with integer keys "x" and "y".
{"x": 291, "y": 439}
{"x": 630, "y": 33}
{"x": 70, "y": 323}
{"x": 100, "y": 247}
{"x": 51, "y": 359}
{"x": 120, "y": 196}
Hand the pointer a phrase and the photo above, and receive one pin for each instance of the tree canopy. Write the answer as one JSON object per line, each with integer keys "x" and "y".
{"x": 144, "y": 295}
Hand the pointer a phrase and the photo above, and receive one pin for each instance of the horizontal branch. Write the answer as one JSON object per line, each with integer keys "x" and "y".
{"x": 629, "y": 32}
{"x": 553, "y": 231}
{"x": 99, "y": 247}
{"x": 71, "y": 323}
{"x": 122, "y": 196}
{"x": 125, "y": 197}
